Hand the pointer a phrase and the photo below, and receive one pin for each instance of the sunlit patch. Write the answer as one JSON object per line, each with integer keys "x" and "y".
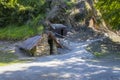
{"x": 94, "y": 73}
{"x": 116, "y": 68}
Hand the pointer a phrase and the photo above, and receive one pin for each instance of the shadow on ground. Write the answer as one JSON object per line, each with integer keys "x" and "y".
{"x": 104, "y": 48}
{"x": 67, "y": 68}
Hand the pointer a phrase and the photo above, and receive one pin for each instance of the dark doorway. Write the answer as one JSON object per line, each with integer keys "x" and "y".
{"x": 62, "y": 32}
{"x": 50, "y": 42}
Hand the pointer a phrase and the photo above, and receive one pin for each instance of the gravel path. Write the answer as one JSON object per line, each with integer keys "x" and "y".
{"x": 78, "y": 64}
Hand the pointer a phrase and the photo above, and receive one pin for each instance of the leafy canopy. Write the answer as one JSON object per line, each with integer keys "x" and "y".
{"x": 20, "y": 11}
{"x": 110, "y": 10}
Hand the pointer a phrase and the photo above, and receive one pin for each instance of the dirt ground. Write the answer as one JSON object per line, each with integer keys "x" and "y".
{"x": 76, "y": 64}
{"x": 104, "y": 48}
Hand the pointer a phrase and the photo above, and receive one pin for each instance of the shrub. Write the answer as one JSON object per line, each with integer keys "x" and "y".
{"x": 110, "y": 12}
{"x": 19, "y": 11}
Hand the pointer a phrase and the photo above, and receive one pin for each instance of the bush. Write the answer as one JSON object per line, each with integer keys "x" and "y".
{"x": 110, "y": 10}
{"x": 14, "y": 32}
{"x": 19, "y": 11}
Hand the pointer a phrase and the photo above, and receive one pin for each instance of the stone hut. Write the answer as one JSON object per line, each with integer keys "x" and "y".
{"x": 45, "y": 44}
{"x": 60, "y": 30}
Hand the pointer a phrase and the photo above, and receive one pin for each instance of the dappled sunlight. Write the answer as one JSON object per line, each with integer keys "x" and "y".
{"x": 73, "y": 65}
{"x": 22, "y": 19}
{"x": 116, "y": 68}
{"x": 72, "y": 68}
{"x": 94, "y": 73}
{"x": 79, "y": 51}
{"x": 11, "y": 51}
{"x": 64, "y": 75}
{"x": 66, "y": 66}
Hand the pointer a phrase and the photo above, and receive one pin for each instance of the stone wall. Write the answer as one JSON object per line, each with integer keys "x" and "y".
{"x": 43, "y": 47}
{"x": 54, "y": 48}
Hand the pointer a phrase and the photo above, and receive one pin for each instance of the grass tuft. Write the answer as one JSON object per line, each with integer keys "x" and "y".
{"x": 9, "y": 58}
{"x": 14, "y": 32}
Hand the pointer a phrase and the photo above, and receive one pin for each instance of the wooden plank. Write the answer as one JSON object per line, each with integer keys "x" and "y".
{"x": 55, "y": 26}
{"x": 50, "y": 35}
{"x": 30, "y": 43}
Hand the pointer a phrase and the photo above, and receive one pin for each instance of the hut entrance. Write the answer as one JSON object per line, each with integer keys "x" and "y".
{"x": 53, "y": 44}
{"x": 59, "y": 29}
{"x": 50, "y": 42}
{"x": 62, "y": 32}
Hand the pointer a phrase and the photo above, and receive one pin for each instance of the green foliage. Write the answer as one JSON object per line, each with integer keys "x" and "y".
{"x": 7, "y": 58}
{"x": 20, "y": 11}
{"x": 98, "y": 54}
{"x": 69, "y": 3}
{"x": 20, "y": 19}
{"x": 14, "y": 32}
{"x": 110, "y": 10}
